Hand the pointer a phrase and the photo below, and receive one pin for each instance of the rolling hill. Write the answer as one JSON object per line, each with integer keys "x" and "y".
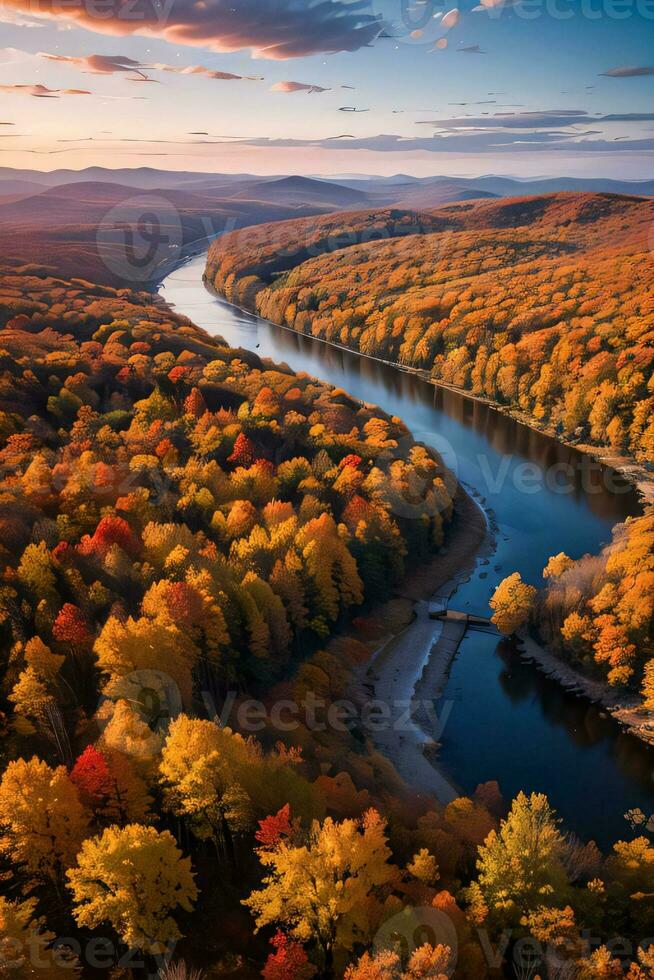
{"x": 542, "y": 303}
{"x": 325, "y": 193}
{"x": 79, "y": 229}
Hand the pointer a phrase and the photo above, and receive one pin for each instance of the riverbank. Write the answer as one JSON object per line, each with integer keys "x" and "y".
{"x": 626, "y": 711}
{"x": 625, "y": 466}
{"x": 409, "y": 669}
{"x": 524, "y": 712}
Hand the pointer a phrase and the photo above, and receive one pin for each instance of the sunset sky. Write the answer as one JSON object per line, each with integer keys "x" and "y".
{"x": 330, "y": 87}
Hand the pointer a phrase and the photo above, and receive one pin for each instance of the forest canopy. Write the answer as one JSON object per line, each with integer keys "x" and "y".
{"x": 180, "y": 520}
{"x": 544, "y": 304}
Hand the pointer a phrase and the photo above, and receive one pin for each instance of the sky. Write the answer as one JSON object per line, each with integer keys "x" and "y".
{"x": 523, "y": 88}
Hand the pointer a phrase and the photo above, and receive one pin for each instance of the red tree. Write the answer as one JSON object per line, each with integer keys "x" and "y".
{"x": 91, "y": 776}
{"x": 243, "y": 454}
{"x": 274, "y": 828}
{"x": 288, "y": 962}
{"x": 357, "y": 509}
{"x": 195, "y": 404}
{"x": 71, "y": 627}
{"x": 184, "y": 603}
{"x": 351, "y": 460}
{"x": 163, "y": 448}
{"x": 178, "y": 374}
{"x": 110, "y": 531}
{"x": 63, "y": 553}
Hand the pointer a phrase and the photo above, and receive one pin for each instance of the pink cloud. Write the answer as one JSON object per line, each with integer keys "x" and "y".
{"x": 297, "y": 87}
{"x": 277, "y": 29}
{"x": 41, "y": 91}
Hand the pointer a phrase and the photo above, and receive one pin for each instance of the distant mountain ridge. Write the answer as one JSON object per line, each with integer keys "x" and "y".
{"x": 320, "y": 191}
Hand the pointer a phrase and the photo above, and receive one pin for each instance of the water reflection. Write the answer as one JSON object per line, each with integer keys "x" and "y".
{"x": 553, "y": 742}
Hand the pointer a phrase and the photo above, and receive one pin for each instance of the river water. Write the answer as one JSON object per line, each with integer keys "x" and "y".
{"x": 507, "y": 721}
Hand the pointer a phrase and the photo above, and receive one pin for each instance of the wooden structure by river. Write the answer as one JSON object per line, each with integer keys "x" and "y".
{"x": 438, "y": 609}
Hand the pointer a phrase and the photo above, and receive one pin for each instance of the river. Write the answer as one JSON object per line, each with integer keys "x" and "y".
{"x": 507, "y": 721}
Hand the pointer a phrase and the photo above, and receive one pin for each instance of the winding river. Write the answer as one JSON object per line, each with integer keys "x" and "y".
{"x": 506, "y": 720}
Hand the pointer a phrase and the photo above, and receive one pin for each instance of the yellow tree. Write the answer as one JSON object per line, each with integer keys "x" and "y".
{"x": 330, "y": 565}
{"x": 35, "y": 693}
{"x": 629, "y": 869}
{"x": 512, "y": 602}
{"x": 424, "y": 867}
{"x": 648, "y": 686}
{"x": 134, "y": 878}
{"x": 147, "y": 644}
{"x": 200, "y": 765}
{"x": 319, "y": 891}
{"x": 425, "y": 963}
{"x": 125, "y": 732}
{"x": 600, "y": 965}
{"x": 557, "y": 565}
{"x": 429, "y": 963}
{"x": 644, "y": 968}
{"x": 42, "y": 822}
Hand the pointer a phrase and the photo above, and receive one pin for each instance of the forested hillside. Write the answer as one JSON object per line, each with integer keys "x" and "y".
{"x": 136, "y": 448}
{"x": 182, "y": 525}
{"x": 545, "y": 304}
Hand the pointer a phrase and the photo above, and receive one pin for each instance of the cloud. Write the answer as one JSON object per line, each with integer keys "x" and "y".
{"x": 104, "y": 64}
{"x": 626, "y": 117}
{"x": 628, "y": 71}
{"x": 297, "y": 87}
{"x": 471, "y": 49}
{"x": 17, "y": 20}
{"x": 463, "y": 142}
{"x": 41, "y": 91}
{"x": 451, "y": 18}
{"x": 501, "y": 144}
{"x": 545, "y": 119}
{"x": 277, "y": 29}
{"x": 15, "y": 56}
{"x": 99, "y": 64}
{"x": 221, "y": 76}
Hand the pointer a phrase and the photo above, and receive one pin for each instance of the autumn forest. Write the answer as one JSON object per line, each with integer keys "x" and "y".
{"x": 194, "y": 537}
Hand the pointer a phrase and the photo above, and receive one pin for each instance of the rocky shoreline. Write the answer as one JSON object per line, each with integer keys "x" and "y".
{"x": 626, "y": 711}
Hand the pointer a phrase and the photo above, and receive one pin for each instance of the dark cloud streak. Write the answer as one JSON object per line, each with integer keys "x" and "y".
{"x": 628, "y": 71}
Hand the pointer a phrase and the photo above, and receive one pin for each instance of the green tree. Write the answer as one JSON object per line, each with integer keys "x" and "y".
{"x": 521, "y": 865}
